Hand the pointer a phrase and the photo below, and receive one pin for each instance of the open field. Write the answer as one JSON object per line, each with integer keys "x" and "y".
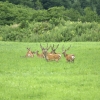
{"x": 37, "y": 79}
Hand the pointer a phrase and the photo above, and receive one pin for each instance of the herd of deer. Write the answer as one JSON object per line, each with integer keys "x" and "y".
{"x": 51, "y": 55}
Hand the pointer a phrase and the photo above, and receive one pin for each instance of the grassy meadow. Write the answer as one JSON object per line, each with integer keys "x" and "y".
{"x": 36, "y": 79}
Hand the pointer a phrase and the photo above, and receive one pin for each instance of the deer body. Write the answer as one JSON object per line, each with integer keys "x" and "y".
{"x": 39, "y": 55}
{"x": 29, "y": 53}
{"x": 69, "y": 57}
{"x": 50, "y": 56}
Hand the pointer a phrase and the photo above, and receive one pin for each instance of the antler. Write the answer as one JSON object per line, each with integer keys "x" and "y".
{"x": 48, "y": 47}
{"x": 41, "y": 47}
{"x": 68, "y": 47}
{"x": 54, "y": 49}
{"x": 65, "y": 49}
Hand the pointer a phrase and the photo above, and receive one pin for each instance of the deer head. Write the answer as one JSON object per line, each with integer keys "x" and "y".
{"x": 65, "y": 50}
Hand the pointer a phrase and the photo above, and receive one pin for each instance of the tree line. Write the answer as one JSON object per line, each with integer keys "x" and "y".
{"x": 78, "y": 5}
{"x": 56, "y": 24}
{"x": 11, "y": 13}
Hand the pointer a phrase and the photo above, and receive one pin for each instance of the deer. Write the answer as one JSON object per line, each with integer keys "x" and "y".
{"x": 29, "y": 53}
{"x": 50, "y": 56}
{"x": 39, "y": 55}
{"x": 69, "y": 57}
{"x": 54, "y": 50}
{"x": 42, "y": 48}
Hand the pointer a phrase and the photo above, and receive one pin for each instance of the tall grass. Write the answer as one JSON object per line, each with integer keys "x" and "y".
{"x": 36, "y": 79}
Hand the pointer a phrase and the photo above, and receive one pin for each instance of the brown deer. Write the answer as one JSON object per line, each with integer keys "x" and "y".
{"x": 42, "y": 48}
{"x": 50, "y": 56}
{"x": 39, "y": 55}
{"x": 29, "y": 53}
{"x": 54, "y": 50}
{"x": 69, "y": 57}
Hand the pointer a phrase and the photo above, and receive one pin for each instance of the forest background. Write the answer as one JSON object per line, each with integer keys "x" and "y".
{"x": 49, "y": 20}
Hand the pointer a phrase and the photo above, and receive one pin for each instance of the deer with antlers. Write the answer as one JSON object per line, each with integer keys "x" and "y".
{"x": 29, "y": 53}
{"x": 69, "y": 57}
{"x": 42, "y": 48}
{"x": 50, "y": 56}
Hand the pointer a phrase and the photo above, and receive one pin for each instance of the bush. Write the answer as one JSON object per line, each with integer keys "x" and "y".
{"x": 24, "y": 24}
{"x": 46, "y": 32}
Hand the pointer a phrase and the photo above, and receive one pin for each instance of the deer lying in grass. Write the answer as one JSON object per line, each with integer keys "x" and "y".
{"x": 29, "y": 53}
{"x": 39, "y": 55}
{"x": 69, "y": 57}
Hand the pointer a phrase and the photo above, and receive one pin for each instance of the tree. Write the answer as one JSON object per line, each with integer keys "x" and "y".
{"x": 98, "y": 8}
{"x": 73, "y": 14}
{"x": 90, "y": 15}
{"x": 38, "y": 5}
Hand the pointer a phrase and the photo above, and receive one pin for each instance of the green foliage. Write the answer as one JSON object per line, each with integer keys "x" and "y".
{"x": 40, "y": 15}
{"x": 47, "y": 32}
{"x": 24, "y": 24}
{"x": 13, "y": 37}
{"x": 38, "y": 5}
{"x": 78, "y": 5}
{"x": 89, "y": 15}
{"x": 98, "y": 8}
{"x": 87, "y": 32}
{"x": 19, "y": 23}
{"x": 73, "y": 15}
{"x": 40, "y": 28}
{"x": 10, "y": 13}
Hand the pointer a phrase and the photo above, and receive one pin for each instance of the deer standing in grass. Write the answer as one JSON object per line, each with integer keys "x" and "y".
{"x": 50, "y": 56}
{"x": 69, "y": 57}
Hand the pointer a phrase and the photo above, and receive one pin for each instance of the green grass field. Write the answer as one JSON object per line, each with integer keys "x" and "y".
{"x": 37, "y": 79}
